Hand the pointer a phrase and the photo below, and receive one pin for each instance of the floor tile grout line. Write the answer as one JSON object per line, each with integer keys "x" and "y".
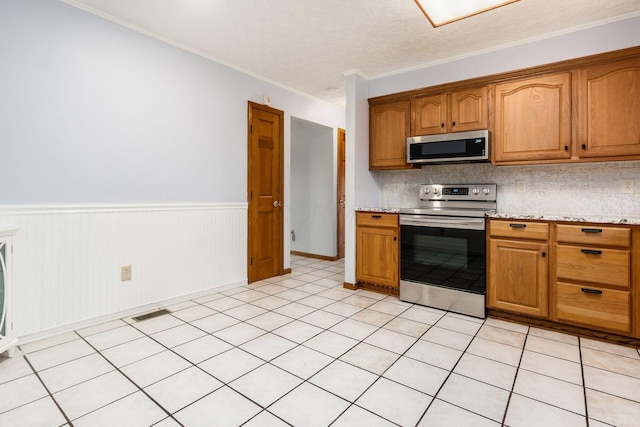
{"x": 584, "y": 383}
{"x": 117, "y": 369}
{"x": 548, "y": 376}
{"x": 307, "y": 380}
{"x": 463, "y": 352}
{"x": 515, "y": 378}
{"x": 55, "y": 401}
{"x": 383, "y": 372}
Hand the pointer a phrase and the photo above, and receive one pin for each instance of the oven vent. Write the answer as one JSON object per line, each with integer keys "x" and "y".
{"x": 151, "y": 315}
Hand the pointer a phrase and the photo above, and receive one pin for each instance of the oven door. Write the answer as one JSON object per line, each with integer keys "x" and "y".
{"x": 443, "y": 262}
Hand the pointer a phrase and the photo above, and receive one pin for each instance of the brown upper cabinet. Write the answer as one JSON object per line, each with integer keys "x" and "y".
{"x": 533, "y": 119}
{"x": 580, "y": 110}
{"x": 389, "y": 128}
{"x": 458, "y": 111}
{"x": 609, "y": 110}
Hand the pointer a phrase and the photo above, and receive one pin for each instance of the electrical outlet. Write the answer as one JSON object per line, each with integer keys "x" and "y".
{"x": 521, "y": 187}
{"x": 627, "y": 186}
{"x": 125, "y": 273}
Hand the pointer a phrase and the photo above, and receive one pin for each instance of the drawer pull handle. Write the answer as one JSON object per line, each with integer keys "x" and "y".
{"x": 376, "y": 216}
{"x": 591, "y": 252}
{"x": 518, "y": 225}
{"x": 591, "y": 230}
{"x": 591, "y": 291}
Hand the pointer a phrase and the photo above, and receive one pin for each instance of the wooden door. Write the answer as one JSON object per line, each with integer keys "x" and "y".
{"x": 469, "y": 110}
{"x": 342, "y": 135}
{"x": 265, "y": 190}
{"x": 609, "y": 110}
{"x": 389, "y": 129}
{"x": 430, "y": 115}
{"x": 518, "y": 277}
{"x": 533, "y": 119}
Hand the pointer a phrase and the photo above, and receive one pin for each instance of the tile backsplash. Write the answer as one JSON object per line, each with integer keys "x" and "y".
{"x": 570, "y": 189}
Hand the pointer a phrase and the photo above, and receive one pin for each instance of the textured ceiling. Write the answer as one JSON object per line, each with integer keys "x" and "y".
{"x": 308, "y": 44}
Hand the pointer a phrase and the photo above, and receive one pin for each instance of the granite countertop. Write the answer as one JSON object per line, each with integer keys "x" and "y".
{"x": 588, "y": 218}
{"x": 380, "y": 210}
{"x": 537, "y": 217}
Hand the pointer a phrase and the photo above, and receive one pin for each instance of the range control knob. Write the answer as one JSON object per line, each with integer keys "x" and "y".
{"x": 486, "y": 190}
{"x": 426, "y": 190}
{"x": 436, "y": 190}
{"x": 476, "y": 191}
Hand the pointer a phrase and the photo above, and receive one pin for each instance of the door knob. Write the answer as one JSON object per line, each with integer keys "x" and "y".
{"x": 342, "y": 202}
{"x": 277, "y": 204}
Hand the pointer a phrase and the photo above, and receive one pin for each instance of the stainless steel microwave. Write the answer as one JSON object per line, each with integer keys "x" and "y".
{"x": 461, "y": 147}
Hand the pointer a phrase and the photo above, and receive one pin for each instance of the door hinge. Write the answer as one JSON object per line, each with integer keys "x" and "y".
{"x": 251, "y": 195}
{"x": 251, "y": 261}
{"x": 251, "y": 129}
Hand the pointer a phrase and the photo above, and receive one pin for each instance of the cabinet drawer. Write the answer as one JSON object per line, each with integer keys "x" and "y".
{"x": 595, "y": 307}
{"x": 375, "y": 219}
{"x": 596, "y": 265}
{"x": 520, "y": 229}
{"x": 594, "y": 235}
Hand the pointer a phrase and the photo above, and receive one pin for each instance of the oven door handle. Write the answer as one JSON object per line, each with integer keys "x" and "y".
{"x": 467, "y": 223}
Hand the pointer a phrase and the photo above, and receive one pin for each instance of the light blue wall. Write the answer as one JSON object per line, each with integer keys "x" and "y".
{"x": 92, "y": 112}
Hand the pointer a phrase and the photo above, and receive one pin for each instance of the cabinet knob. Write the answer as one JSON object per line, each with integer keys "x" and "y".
{"x": 395, "y": 238}
{"x": 441, "y": 125}
{"x": 453, "y": 123}
{"x": 544, "y": 254}
{"x": 584, "y": 146}
{"x": 566, "y": 148}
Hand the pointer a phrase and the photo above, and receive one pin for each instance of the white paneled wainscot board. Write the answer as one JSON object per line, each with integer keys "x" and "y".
{"x": 67, "y": 260}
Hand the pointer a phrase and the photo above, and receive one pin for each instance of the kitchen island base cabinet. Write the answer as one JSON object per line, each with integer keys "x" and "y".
{"x": 377, "y": 249}
{"x": 518, "y": 277}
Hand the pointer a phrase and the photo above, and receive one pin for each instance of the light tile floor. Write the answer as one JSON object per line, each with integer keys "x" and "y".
{"x": 301, "y": 350}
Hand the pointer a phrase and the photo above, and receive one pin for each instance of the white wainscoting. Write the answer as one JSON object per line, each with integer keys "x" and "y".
{"x": 67, "y": 259}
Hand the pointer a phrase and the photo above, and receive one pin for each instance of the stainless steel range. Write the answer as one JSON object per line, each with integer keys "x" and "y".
{"x": 443, "y": 247}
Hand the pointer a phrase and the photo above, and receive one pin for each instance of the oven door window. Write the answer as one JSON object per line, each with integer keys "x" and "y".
{"x": 446, "y": 257}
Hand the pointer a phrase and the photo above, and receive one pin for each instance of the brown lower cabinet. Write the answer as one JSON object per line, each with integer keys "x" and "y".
{"x": 584, "y": 275}
{"x": 518, "y": 267}
{"x": 377, "y": 249}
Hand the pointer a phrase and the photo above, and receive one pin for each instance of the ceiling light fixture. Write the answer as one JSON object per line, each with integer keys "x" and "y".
{"x": 441, "y": 12}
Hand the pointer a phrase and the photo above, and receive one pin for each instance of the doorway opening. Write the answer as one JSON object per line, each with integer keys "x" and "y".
{"x": 313, "y": 190}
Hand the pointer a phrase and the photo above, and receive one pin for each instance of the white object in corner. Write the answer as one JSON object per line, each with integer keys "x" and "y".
{"x": 8, "y": 340}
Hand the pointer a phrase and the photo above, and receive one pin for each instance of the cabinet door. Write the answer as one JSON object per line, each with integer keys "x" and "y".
{"x": 429, "y": 115}
{"x": 377, "y": 254}
{"x": 389, "y": 129}
{"x": 609, "y": 100}
{"x": 533, "y": 119}
{"x": 518, "y": 277}
{"x": 469, "y": 110}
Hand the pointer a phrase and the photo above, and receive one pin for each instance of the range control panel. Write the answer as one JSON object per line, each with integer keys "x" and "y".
{"x": 470, "y": 192}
